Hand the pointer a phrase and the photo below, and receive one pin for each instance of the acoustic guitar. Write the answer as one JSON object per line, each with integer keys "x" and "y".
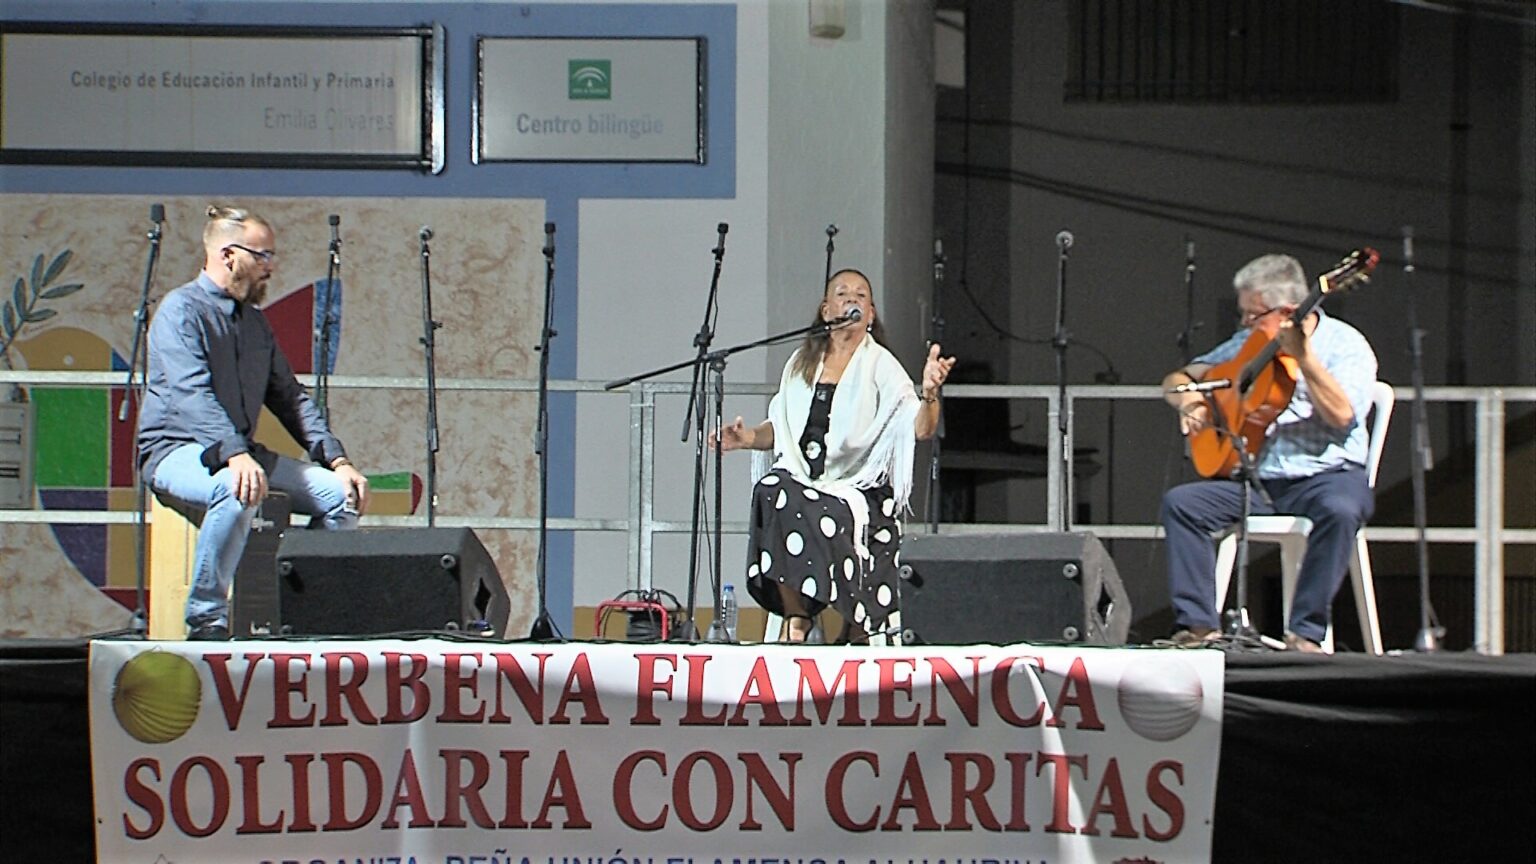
{"x": 1262, "y": 379}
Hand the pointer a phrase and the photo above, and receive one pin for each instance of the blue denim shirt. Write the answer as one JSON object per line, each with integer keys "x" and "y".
{"x": 213, "y": 364}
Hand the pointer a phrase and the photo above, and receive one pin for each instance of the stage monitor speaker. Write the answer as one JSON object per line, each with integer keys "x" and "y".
{"x": 377, "y": 581}
{"x": 253, "y": 608}
{"x": 1005, "y": 588}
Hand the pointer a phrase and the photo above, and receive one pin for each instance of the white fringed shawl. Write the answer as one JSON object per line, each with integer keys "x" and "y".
{"x": 871, "y": 436}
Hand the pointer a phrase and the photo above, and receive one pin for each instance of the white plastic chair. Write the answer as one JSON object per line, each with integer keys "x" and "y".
{"x": 1290, "y": 532}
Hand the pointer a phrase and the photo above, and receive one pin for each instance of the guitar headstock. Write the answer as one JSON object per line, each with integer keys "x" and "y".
{"x": 1351, "y": 272}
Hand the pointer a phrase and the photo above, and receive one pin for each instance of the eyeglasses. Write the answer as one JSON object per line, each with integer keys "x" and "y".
{"x": 1248, "y": 319}
{"x": 265, "y": 256}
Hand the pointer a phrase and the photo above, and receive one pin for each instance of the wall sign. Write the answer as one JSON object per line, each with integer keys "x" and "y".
{"x": 590, "y": 100}
{"x": 222, "y": 96}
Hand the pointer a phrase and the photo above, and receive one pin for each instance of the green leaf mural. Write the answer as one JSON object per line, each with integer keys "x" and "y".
{"x": 24, "y": 306}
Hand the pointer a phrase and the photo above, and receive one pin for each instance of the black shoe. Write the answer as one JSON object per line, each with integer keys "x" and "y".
{"x": 211, "y": 632}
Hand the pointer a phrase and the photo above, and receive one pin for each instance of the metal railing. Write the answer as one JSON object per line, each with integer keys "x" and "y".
{"x": 1488, "y": 534}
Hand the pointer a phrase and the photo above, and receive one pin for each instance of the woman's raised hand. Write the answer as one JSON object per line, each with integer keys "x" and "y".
{"x": 735, "y": 436}
{"x": 935, "y": 372}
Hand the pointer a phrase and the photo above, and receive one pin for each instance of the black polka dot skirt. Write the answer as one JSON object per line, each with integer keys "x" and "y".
{"x": 803, "y": 539}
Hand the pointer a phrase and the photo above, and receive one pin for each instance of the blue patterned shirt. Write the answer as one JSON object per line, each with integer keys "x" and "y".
{"x": 1300, "y": 444}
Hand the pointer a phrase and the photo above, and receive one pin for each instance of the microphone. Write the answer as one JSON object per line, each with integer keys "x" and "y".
{"x": 425, "y": 233}
{"x": 850, "y": 317}
{"x": 1189, "y": 252}
{"x": 157, "y": 216}
{"x": 335, "y": 222}
{"x": 1202, "y": 386}
{"x": 720, "y": 246}
{"x": 831, "y": 231}
{"x": 549, "y": 239}
{"x": 938, "y": 259}
{"x": 1064, "y": 240}
{"x": 1407, "y": 248}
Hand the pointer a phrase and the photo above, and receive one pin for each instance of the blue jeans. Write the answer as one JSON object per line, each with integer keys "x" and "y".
{"x": 182, "y": 482}
{"x": 1337, "y": 502}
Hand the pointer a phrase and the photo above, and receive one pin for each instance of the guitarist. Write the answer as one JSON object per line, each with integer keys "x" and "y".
{"x": 1312, "y": 462}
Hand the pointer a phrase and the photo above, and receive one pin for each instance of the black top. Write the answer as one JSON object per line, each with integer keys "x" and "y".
{"x": 813, "y": 441}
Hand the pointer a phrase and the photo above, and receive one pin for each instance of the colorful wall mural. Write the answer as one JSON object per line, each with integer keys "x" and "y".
{"x": 487, "y": 292}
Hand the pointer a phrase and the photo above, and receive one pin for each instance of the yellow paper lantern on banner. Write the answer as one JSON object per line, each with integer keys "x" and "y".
{"x": 156, "y": 697}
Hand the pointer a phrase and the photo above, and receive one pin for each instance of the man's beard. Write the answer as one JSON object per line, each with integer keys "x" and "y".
{"x": 249, "y": 288}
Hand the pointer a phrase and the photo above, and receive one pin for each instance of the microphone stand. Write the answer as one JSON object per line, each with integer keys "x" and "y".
{"x": 429, "y": 343}
{"x": 332, "y": 274}
{"x": 716, "y": 361}
{"x": 936, "y": 448}
{"x": 138, "y": 365}
{"x": 1060, "y": 341}
{"x": 831, "y": 232}
{"x": 1187, "y": 337}
{"x": 544, "y": 625}
{"x": 695, "y": 416}
{"x": 1238, "y": 626}
{"x": 1430, "y": 631}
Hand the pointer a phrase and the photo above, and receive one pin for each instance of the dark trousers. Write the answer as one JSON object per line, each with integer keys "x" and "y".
{"x": 1337, "y": 502}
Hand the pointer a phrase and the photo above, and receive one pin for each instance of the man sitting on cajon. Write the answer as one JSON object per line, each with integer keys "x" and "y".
{"x": 213, "y": 364}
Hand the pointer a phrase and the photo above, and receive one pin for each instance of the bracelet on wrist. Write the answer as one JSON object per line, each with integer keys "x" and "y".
{"x": 923, "y": 397}
{"x": 339, "y": 461}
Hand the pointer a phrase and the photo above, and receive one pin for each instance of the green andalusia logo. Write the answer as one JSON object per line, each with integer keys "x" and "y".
{"x": 591, "y": 79}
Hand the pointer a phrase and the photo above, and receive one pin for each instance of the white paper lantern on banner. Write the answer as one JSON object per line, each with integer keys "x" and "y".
{"x": 1160, "y": 697}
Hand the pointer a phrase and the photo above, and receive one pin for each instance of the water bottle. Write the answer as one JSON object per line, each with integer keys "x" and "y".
{"x": 728, "y": 612}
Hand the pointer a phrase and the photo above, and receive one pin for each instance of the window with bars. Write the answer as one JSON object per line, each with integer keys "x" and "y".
{"x": 1262, "y": 51}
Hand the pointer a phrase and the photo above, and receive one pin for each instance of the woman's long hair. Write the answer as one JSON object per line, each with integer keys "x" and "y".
{"x": 814, "y": 348}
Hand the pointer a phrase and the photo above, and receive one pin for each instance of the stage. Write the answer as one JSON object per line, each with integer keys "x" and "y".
{"x": 1345, "y": 758}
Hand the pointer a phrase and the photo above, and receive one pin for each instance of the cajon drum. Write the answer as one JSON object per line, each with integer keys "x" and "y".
{"x": 172, "y": 542}
{"x": 172, "y": 550}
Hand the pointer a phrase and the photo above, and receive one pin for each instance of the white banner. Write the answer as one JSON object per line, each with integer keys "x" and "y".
{"x": 458, "y": 752}
{"x": 614, "y": 100}
{"x": 204, "y": 94}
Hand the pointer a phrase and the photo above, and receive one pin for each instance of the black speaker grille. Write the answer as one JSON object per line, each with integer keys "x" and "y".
{"x": 1012, "y": 588}
{"x": 392, "y": 580}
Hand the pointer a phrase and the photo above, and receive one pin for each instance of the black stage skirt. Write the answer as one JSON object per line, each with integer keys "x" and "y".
{"x": 803, "y": 538}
